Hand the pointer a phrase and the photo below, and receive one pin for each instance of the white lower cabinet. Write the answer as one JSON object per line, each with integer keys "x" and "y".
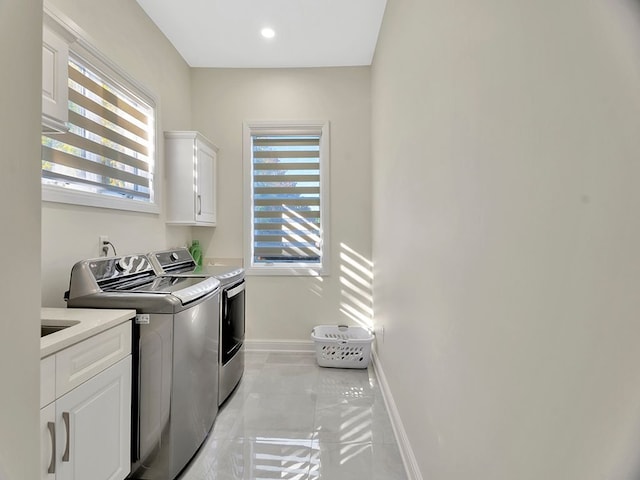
{"x": 86, "y": 432}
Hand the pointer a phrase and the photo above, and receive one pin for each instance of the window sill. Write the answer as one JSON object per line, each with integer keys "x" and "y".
{"x": 288, "y": 271}
{"x": 73, "y": 197}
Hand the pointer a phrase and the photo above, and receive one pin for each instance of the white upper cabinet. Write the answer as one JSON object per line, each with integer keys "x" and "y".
{"x": 191, "y": 162}
{"x": 55, "y": 58}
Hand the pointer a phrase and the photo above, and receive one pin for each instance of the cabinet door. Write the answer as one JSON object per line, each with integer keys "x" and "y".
{"x": 48, "y": 442}
{"x": 94, "y": 427}
{"x": 55, "y": 55}
{"x": 205, "y": 185}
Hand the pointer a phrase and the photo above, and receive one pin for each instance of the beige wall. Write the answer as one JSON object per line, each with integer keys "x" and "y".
{"x": 20, "y": 93}
{"x": 288, "y": 307}
{"x": 127, "y": 37}
{"x": 506, "y": 235}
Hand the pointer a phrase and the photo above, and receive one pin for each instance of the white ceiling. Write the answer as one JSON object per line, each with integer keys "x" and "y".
{"x": 309, "y": 33}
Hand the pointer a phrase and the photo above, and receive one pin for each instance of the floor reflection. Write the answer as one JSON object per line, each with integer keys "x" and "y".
{"x": 290, "y": 419}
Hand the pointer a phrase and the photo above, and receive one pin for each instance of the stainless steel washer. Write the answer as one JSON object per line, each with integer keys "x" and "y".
{"x": 179, "y": 262}
{"x": 175, "y": 360}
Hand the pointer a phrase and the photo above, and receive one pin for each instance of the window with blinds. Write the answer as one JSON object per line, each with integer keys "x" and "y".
{"x": 107, "y": 155}
{"x": 288, "y": 199}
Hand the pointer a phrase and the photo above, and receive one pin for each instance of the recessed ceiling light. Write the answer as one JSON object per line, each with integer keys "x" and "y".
{"x": 268, "y": 32}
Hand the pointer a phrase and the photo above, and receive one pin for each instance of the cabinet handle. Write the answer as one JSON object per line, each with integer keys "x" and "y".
{"x": 199, "y": 204}
{"x": 52, "y": 432}
{"x": 65, "y": 417}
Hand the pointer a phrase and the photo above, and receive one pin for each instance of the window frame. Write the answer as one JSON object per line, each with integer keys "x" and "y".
{"x": 83, "y": 52}
{"x": 257, "y": 128}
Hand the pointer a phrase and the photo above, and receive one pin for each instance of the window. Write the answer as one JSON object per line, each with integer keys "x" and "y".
{"x": 287, "y": 198}
{"x": 106, "y": 159}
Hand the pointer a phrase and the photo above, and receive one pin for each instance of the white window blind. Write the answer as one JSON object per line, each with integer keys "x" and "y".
{"x": 288, "y": 211}
{"x": 109, "y": 148}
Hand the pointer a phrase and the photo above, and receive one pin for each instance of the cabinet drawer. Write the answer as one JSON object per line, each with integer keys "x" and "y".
{"x": 47, "y": 380}
{"x": 82, "y": 361}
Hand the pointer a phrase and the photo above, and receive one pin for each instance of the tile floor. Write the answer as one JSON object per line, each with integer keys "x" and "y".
{"x": 291, "y": 419}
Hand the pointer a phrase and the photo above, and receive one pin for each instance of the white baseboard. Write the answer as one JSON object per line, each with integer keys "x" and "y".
{"x": 409, "y": 459}
{"x": 297, "y": 346}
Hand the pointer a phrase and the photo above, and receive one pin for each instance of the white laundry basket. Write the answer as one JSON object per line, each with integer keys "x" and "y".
{"x": 341, "y": 346}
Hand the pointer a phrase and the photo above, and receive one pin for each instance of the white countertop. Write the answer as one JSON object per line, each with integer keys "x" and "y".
{"x": 86, "y": 322}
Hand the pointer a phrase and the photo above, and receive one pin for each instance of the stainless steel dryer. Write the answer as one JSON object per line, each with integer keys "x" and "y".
{"x": 175, "y": 355}
{"x": 179, "y": 262}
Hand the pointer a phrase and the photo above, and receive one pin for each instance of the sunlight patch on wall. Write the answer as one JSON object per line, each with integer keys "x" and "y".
{"x": 316, "y": 288}
{"x": 356, "y": 286}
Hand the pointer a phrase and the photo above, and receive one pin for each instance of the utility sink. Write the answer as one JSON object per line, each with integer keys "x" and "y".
{"x": 48, "y": 328}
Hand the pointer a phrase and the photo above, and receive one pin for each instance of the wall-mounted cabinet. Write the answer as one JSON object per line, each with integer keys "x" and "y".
{"x": 55, "y": 59}
{"x": 191, "y": 166}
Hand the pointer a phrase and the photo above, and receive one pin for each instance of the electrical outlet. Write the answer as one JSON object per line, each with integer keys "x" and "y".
{"x": 102, "y": 251}
{"x": 379, "y": 331}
